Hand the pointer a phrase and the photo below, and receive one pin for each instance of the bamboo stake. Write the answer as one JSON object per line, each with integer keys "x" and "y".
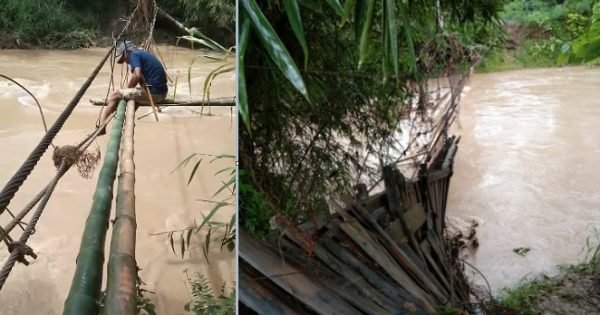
{"x": 121, "y": 292}
{"x": 87, "y": 280}
{"x": 150, "y": 98}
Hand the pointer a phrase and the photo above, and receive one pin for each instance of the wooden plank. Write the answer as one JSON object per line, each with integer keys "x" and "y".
{"x": 415, "y": 218}
{"x": 374, "y": 201}
{"x": 381, "y": 284}
{"x": 331, "y": 261}
{"x": 254, "y": 295}
{"x": 373, "y": 249}
{"x": 434, "y": 265}
{"x": 434, "y": 190}
{"x": 399, "y": 256}
{"x": 335, "y": 271}
{"x": 291, "y": 279}
{"x": 390, "y": 177}
{"x": 379, "y": 281}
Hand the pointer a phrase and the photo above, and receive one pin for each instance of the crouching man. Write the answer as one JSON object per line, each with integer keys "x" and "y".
{"x": 144, "y": 66}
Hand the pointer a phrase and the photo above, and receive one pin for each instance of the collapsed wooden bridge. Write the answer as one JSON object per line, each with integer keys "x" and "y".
{"x": 380, "y": 254}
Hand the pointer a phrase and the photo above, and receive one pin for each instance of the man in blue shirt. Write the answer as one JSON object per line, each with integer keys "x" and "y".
{"x": 144, "y": 66}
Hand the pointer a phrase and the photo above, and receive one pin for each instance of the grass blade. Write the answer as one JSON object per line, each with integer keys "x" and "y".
{"x": 194, "y": 171}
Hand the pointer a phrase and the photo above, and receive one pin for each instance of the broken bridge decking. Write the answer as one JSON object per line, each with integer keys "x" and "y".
{"x": 383, "y": 254}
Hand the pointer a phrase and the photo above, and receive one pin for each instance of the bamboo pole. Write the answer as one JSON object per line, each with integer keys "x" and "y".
{"x": 150, "y": 98}
{"x": 87, "y": 280}
{"x": 121, "y": 297}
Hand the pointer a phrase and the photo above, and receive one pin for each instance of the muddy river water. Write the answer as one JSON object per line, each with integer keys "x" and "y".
{"x": 164, "y": 200}
{"x": 527, "y": 169}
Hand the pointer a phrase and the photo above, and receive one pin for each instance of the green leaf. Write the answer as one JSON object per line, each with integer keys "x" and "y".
{"x": 359, "y": 17}
{"x": 189, "y": 235}
{"x": 175, "y": 89}
{"x": 202, "y": 42}
{"x": 337, "y": 7}
{"x": 348, "y": 7}
{"x": 172, "y": 242}
{"x": 391, "y": 26}
{"x": 207, "y": 244}
{"x": 211, "y": 214}
{"x": 242, "y": 93}
{"x": 223, "y": 156}
{"x": 210, "y": 78}
{"x": 365, "y": 35}
{"x": 189, "y": 73}
{"x": 521, "y": 251}
{"x": 184, "y": 162}
{"x": 311, "y": 4}
{"x": 182, "y": 245}
{"x": 274, "y": 47}
{"x": 225, "y": 185}
{"x": 194, "y": 170}
{"x": 408, "y": 37}
{"x": 225, "y": 170}
{"x": 293, "y": 13}
{"x": 195, "y": 32}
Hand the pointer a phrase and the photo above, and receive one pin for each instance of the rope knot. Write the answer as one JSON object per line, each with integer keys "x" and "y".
{"x": 86, "y": 161}
{"x": 21, "y": 249}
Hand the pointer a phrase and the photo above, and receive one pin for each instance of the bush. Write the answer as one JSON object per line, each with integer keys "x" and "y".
{"x": 48, "y": 24}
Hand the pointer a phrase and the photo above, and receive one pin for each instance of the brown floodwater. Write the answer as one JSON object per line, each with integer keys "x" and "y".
{"x": 164, "y": 200}
{"x": 527, "y": 169}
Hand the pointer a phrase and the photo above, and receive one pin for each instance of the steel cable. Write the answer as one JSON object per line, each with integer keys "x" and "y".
{"x": 17, "y": 180}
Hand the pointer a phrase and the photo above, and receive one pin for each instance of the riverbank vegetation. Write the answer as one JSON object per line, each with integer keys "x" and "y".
{"x": 541, "y": 33}
{"x": 315, "y": 116}
{"x": 573, "y": 291}
{"x": 70, "y": 24}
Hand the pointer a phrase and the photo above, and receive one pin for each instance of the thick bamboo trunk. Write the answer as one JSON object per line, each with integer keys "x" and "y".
{"x": 122, "y": 268}
{"x": 87, "y": 281}
{"x": 164, "y": 17}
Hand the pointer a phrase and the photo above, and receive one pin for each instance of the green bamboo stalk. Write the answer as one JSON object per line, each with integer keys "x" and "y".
{"x": 87, "y": 280}
{"x": 121, "y": 295}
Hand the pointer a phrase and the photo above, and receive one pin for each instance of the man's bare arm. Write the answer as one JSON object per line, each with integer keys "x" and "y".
{"x": 136, "y": 78}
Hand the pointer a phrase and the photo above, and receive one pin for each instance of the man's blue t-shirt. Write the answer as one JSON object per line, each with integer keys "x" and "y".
{"x": 152, "y": 70}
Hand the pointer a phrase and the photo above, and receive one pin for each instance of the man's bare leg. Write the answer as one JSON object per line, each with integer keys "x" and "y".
{"x": 110, "y": 107}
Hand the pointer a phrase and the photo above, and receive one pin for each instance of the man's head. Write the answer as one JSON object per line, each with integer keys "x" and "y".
{"x": 123, "y": 51}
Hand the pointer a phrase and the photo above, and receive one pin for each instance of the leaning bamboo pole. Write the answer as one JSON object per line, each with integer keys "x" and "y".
{"x": 87, "y": 280}
{"x": 121, "y": 297}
